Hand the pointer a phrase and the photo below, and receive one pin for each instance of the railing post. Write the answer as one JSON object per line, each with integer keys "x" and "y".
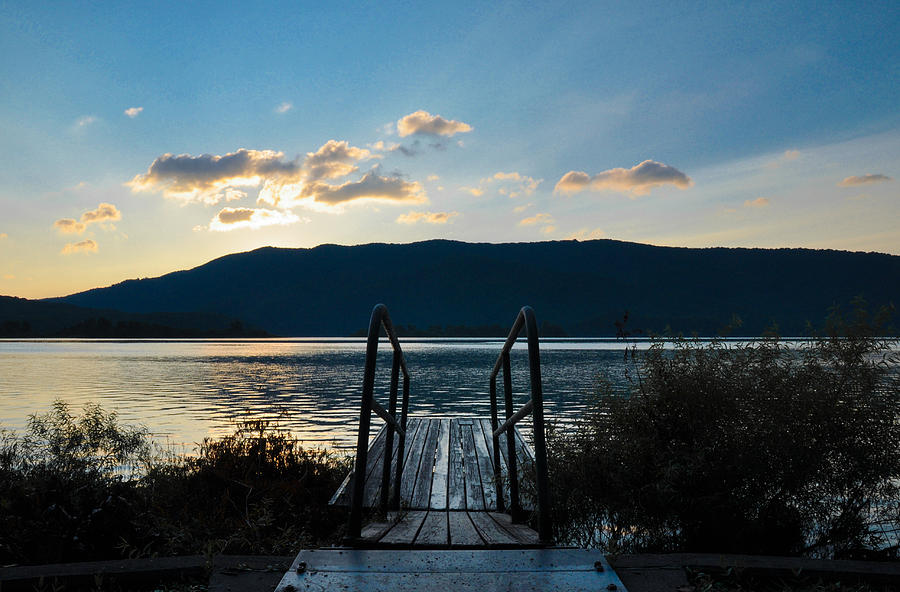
{"x": 498, "y": 475}
{"x": 395, "y": 502}
{"x": 515, "y": 510}
{"x": 545, "y": 530}
{"x": 389, "y": 443}
{"x": 354, "y": 526}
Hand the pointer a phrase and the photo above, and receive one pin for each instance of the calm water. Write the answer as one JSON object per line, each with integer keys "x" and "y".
{"x": 185, "y": 390}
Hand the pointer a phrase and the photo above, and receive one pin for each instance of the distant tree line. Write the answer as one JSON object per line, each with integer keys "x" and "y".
{"x": 546, "y": 330}
{"x": 101, "y": 327}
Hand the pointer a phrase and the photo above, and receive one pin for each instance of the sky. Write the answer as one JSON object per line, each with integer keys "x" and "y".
{"x": 142, "y": 138}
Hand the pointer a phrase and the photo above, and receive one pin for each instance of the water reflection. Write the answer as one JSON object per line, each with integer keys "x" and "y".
{"x": 185, "y": 390}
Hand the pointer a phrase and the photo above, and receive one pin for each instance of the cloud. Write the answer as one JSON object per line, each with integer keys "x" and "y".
{"x": 84, "y": 121}
{"x": 371, "y": 187}
{"x": 103, "y": 213}
{"x": 638, "y": 180}
{"x": 85, "y": 246}
{"x": 432, "y": 178}
{"x": 790, "y": 155}
{"x": 8, "y": 276}
{"x": 587, "y": 234}
{"x": 253, "y": 218}
{"x": 3, "y": 236}
{"x": 541, "y": 218}
{"x": 423, "y": 122}
{"x": 334, "y": 159}
{"x": 133, "y": 112}
{"x": 522, "y": 208}
{"x": 759, "y": 202}
{"x": 69, "y": 226}
{"x": 284, "y": 107}
{"x": 864, "y": 180}
{"x": 427, "y": 217}
{"x": 205, "y": 178}
{"x": 509, "y": 184}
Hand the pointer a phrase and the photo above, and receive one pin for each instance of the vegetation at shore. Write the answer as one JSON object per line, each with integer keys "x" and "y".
{"x": 86, "y": 487}
{"x": 741, "y": 448}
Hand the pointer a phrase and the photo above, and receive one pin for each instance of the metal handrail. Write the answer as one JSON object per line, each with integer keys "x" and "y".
{"x": 380, "y": 318}
{"x": 535, "y": 406}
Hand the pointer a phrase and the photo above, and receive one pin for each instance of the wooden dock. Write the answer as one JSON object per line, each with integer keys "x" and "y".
{"x": 448, "y": 483}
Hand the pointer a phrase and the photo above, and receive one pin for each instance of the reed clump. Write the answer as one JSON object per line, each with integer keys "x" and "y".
{"x": 86, "y": 486}
{"x": 758, "y": 447}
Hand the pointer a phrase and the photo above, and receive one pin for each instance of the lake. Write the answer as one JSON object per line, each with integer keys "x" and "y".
{"x": 185, "y": 390}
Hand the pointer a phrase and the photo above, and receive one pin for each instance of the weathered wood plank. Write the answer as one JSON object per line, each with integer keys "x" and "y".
{"x": 441, "y": 467}
{"x": 462, "y": 532}
{"x": 373, "y": 531}
{"x": 434, "y": 531}
{"x": 342, "y": 496}
{"x": 489, "y": 443}
{"x": 456, "y": 483}
{"x": 485, "y": 467}
{"x": 474, "y": 491}
{"x": 375, "y": 466}
{"x": 422, "y": 490}
{"x": 520, "y": 532}
{"x": 411, "y": 469}
{"x": 491, "y": 532}
{"x": 405, "y": 531}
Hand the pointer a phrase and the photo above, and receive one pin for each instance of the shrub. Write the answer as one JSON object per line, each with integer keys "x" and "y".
{"x": 757, "y": 448}
{"x": 83, "y": 487}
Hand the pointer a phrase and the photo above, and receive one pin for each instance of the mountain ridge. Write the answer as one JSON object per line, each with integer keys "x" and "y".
{"x": 583, "y": 286}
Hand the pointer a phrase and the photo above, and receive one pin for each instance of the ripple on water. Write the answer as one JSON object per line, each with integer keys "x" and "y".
{"x": 185, "y": 391}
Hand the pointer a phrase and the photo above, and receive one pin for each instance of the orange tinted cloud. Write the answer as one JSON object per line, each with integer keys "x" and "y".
{"x": 638, "y": 180}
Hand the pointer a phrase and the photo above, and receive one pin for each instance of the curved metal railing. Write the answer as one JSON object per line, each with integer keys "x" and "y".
{"x": 535, "y": 406}
{"x": 380, "y": 318}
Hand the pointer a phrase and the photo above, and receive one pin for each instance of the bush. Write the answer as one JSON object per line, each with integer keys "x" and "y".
{"x": 88, "y": 487}
{"x": 752, "y": 448}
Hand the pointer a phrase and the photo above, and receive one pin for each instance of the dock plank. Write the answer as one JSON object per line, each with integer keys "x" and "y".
{"x": 441, "y": 467}
{"x": 491, "y": 532}
{"x": 422, "y": 490}
{"x": 411, "y": 468}
{"x": 474, "y": 490}
{"x": 456, "y": 490}
{"x": 520, "y": 532}
{"x": 434, "y": 531}
{"x": 462, "y": 532}
{"x": 405, "y": 531}
{"x": 485, "y": 467}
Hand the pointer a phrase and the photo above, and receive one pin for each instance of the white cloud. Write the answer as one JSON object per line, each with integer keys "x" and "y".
{"x": 371, "y": 187}
{"x": 638, "y": 180}
{"x": 133, "y": 112}
{"x": 85, "y": 246}
{"x": 426, "y": 217}
{"x": 759, "y": 202}
{"x": 69, "y": 226}
{"x": 522, "y": 208}
{"x": 85, "y": 121}
{"x": 252, "y": 218}
{"x": 540, "y": 218}
{"x": 509, "y": 184}
{"x": 284, "y": 107}
{"x": 423, "y": 122}
{"x": 864, "y": 180}
{"x": 206, "y": 178}
{"x": 105, "y": 212}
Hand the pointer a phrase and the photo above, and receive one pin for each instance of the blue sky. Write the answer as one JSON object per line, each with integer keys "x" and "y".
{"x": 684, "y": 124}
